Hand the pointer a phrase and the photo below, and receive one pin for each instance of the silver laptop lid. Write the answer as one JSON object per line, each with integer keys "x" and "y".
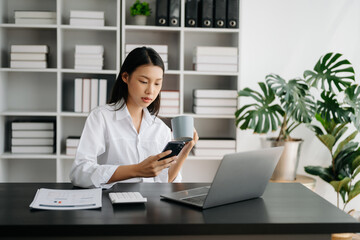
{"x": 242, "y": 176}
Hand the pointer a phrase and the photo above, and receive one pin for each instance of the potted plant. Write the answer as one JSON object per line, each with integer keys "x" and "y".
{"x": 338, "y": 108}
{"x": 265, "y": 114}
{"x": 140, "y": 11}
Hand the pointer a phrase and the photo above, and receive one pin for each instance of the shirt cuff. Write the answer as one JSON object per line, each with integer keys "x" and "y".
{"x": 102, "y": 174}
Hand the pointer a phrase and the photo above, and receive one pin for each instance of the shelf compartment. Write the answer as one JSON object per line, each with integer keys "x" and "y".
{"x": 89, "y": 28}
{"x": 215, "y": 127}
{"x": 64, "y": 168}
{"x": 67, "y": 98}
{"x": 190, "y": 171}
{"x": 9, "y": 6}
{"x": 16, "y": 36}
{"x": 23, "y": 91}
{"x": 109, "y": 7}
{"x": 72, "y": 37}
{"x": 171, "y": 39}
{"x": 74, "y": 127}
{"x": 32, "y": 26}
{"x": 32, "y": 169}
{"x": 202, "y": 38}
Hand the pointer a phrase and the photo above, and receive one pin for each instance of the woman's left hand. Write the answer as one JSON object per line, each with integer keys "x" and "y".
{"x": 189, "y": 145}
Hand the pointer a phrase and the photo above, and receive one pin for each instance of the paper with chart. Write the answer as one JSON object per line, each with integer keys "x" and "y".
{"x": 56, "y": 199}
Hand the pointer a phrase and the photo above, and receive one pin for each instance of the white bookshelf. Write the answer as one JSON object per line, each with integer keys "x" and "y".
{"x": 48, "y": 93}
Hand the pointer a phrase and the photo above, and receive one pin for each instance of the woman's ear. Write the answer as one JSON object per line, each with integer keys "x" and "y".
{"x": 125, "y": 77}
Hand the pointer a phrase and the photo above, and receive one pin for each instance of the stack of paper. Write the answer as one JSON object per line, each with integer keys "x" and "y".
{"x": 34, "y": 17}
{"x": 169, "y": 102}
{"x": 214, "y": 147}
{"x": 215, "y": 59}
{"x": 72, "y": 143}
{"x": 89, "y": 93}
{"x": 210, "y": 101}
{"x": 162, "y": 50}
{"x": 32, "y": 137}
{"x": 89, "y": 57}
{"x": 28, "y": 56}
{"x": 87, "y": 18}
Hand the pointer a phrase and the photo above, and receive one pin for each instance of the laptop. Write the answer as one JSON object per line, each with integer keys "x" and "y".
{"x": 240, "y": 176}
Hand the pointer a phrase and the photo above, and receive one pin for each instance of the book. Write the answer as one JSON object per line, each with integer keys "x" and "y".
{"x": 34, "y": 14}
{"x": 32, "y": 126}
{"x": 216, "y": 102}
{"x": 87, "y": 22}
{"x": 215, "y": 59}
{"x": 32, "y": 149}
{"x": 214, "y": 67}
{"x": 32, "y": 141}
{"x": 214, "y": 93}
{"x": 86, "y": 95}
{"x": 102, "y": 92}
{"x": 85, "y": 56}
{"x": 94, "y": 93}
{"x": 35, "y": 21}
{"x": 169, "y": 110}
{"x": 78, "y": 95}
{"x": 28, "y": 56}
{"x": 72, "y": 141}
{"x": 170, "y": 94}
{"x": 170, "y": 102}
{"x": 158, "y": 48}
{"x": 29, "y": 49}
{"x": 212, "y": 152}
{"x": 164, "y": 56}
{"x": 28, "y": 64}
{"x": 216, "y": 143}
{"x": 218, "y": 51}
{"x": 214, "y": 110}
{"x": 32, "y": 134}
{"x": 89, "y": 62}
{"x": 87, "y": 14}
{"x": 88, "y": 67}
{"x": 70, "y": 151}
{"x": 89, "y": 49}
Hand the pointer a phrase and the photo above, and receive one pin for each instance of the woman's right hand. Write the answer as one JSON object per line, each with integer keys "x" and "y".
{"x": 151, "y": 167}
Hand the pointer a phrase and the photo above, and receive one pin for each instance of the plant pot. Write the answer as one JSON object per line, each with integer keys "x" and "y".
{"x": 139, "y": 20}
{"x": 289, "y": 160}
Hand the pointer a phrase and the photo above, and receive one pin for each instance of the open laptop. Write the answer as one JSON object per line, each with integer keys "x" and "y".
{"x": 240, "y": 176}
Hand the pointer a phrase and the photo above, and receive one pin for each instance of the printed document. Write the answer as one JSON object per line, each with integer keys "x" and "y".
{"x": 56, "y": 199}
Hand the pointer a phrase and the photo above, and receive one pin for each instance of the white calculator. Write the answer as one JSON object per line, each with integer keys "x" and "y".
{"x": 126, "y": 197}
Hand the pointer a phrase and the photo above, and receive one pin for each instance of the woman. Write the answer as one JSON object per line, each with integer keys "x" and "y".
{"x": 123, "y": 140}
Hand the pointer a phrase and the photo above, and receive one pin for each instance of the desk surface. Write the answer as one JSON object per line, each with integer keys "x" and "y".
{"x": 285, "y": 208}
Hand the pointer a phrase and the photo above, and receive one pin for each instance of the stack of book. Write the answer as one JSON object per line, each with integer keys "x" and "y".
{"x": 28, "y": 56}
{"x": 215, "y": 59}
{"x": 169, "y": 102}
{"x": 214, "y": 147}
{"x": 72, "y": 143}
{"x": 209, "y": 101}
{"x": 89, "y": 57}
{"x": 162, "y": 50}
{"x": 32, "y": 137}
{"x": 87, "y": 18}
{"x": 89, "y": 93}
{"x": 34, "y": 17}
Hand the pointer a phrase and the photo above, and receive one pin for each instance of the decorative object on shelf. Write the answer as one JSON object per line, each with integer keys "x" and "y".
{"x": 29, "y": 56}
{"x": 34, "y": 17}
{"x": 89, "y": 57}
{"x": 337, "y": 108}
{"x": 87, "y": 18}
{"x": 140, "y": 11}
{"x": 296, "y": 106}
{"x": 214, "y": 101}
{"x": 215, "y": 59}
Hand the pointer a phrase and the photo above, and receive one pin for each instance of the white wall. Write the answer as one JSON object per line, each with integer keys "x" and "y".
{"x": 287, "y": 37}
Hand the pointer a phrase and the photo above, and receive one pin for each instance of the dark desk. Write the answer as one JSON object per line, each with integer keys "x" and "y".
{"x": 286, "y": 210}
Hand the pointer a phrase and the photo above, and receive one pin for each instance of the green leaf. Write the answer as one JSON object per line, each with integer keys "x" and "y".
{"x": 344, "y": 142}
{"x": 328, "y": 140}
{"x": 355, "y": 191}
{"x": 324, "y": 173}
{"x": 344, "y": 159}
{"x": 340, "y": 184}
{"x": 352, "y": 98}
{"x": 330, "y": 71}
{"x": 330, "y": 109}
{"x": 356, "y": 164}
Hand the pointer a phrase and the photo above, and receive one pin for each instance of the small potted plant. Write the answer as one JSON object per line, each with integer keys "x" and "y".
{"x": 265, "y": 114}
{"x": 338, "y": 108}
{"x": 140, "y": 11}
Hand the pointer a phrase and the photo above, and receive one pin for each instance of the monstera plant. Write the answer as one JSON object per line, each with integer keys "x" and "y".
{"x": 337, "y": 108}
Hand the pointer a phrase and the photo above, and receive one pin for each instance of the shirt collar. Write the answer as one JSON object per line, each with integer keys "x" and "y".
{"x": 124, "y": 113}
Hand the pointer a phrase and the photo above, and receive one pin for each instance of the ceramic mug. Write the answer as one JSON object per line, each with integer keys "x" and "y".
{"x": 183, "y": 128}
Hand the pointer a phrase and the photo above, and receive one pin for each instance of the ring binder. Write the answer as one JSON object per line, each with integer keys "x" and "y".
{"x": 220, "y": 13}
{"x": 232, "y": 14}
{"x": 174, "y": 13}
{"x": 206, "y": 13}
{"x": 162, "y": 13}
{"x": 191, "y": 10}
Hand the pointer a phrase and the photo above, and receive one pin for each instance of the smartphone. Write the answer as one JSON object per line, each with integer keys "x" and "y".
{"x": 175, "y": 147}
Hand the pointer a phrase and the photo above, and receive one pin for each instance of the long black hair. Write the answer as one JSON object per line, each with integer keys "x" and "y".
{"x": 137, "y": 57}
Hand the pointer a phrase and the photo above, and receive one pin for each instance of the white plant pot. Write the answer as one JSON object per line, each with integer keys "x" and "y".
{"x": 139, "y": 20}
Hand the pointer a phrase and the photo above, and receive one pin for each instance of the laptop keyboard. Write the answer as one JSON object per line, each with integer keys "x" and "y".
{"x": 196, "y": 200}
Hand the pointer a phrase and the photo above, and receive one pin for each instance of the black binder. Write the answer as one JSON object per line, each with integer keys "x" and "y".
{"x": 232, "y": 14}
{"x": 174, "y": 13}
{"x": 220, "y": 13}
{"x": 191, "y": 13}
{"x": 162, "y": 13}
{"x": 206, "y": 13}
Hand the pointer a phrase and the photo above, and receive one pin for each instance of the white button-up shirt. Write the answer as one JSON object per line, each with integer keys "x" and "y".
{"x": 109, "y": 139}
